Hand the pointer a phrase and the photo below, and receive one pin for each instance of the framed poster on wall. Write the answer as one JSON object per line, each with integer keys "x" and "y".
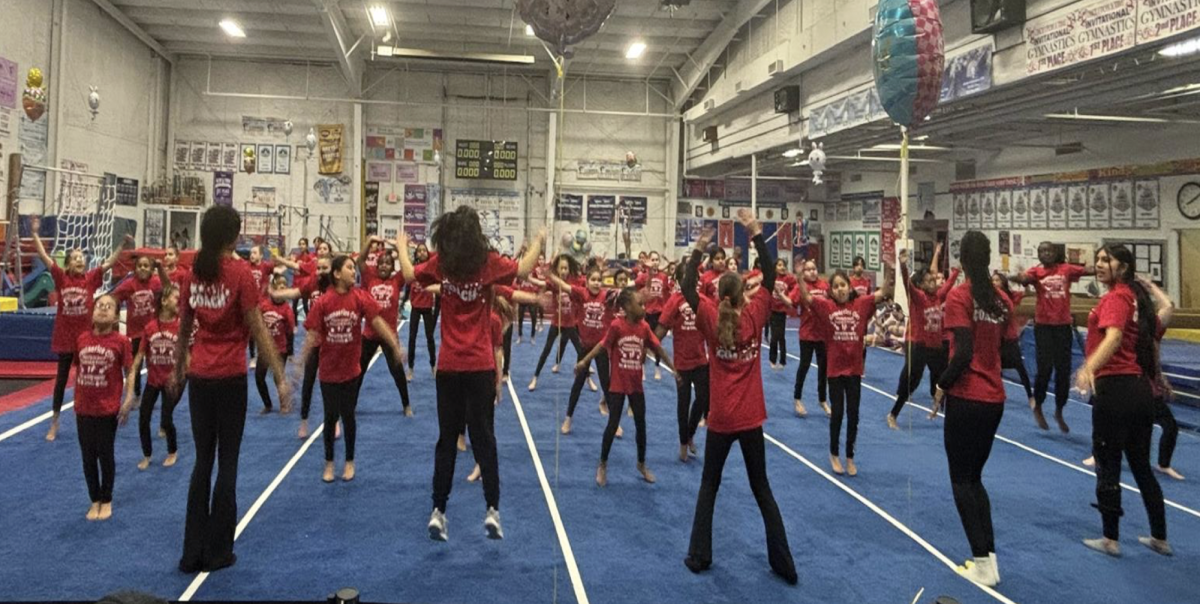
{"x": 1020, "y": 208}
{"x": 1039, "y": 207}
{"x": 1098, "y": 206}
{"x": 1004, "y": 209}
{"x": 154, "y": 228}
{"x": 987, "y": 210}
{"x": 266, "y": 159}
{"x": 1121, "y": 204}
{"x": 1077, "y": 207}
{"x": 283, "y": 159}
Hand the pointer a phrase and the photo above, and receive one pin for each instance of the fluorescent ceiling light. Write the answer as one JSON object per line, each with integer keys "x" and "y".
{"x": 896, "y": 147}
{"x": 384, "y": 50}
{"x": 529, "y": 30}
{"x": 1181, "y": 49}
{"x": 887, "y": 159}
{"x": 790, "y": 153}
{"x": 379, "y": 16}
{"x": 232, "y": 29}
{"x": 1106, "y": 118}
{"x": 800, "y": 163}
{"x": 635, "y": 50}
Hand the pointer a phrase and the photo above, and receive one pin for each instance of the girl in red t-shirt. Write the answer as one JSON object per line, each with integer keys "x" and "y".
{"x": 564, "y": 320}
{"x": 1120, "y": 366}
{"x": 922, "y": 347}
{"x": 625, "y": 343}
{"x": 467, "y": 270}
{"x": 76, "y": 288}
{"x": 845, "y": 316}
{"x": 310, "y": 292}
{"x": 423, "y": 308}
{"x": 691, "y": 364}
{"x": 280, "y": 321}
{"x": 221, "y": 297}
{"x": 1054, "y": 328}
{"x": 812, "y": 340}
{"x": 655, "y": 285}
{"x": 334, "y": 324}
{"x": 386, "y": 286}
{"x": 170, "y": 265}
{"x": 858, "y": 282}
{"x": 592, "y": 302}
{"x": 977, "y": 315}
{"x": 102, "y": 357}
{"x": 1010, "y": 352}
{"x": 780, "y": 309}
{"x": 138, "y": 294}
{"x": 159, "y": 337}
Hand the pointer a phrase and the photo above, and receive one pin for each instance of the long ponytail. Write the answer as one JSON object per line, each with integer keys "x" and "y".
{"x": 1146, "y": 346}
{"x": 219, "y": 228}
{"x": 730, "y": 289}
{"x": 976, "y": 255}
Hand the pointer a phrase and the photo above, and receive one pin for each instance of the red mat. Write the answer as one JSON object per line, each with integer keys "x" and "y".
{"x": 26, "y": 397}
{"x": 28, "y": 370}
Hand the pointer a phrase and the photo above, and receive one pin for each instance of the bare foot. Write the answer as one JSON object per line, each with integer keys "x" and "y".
{"x": 891, "y": 422}
{"x": 657, "y": 373}
{"x": 603, "y": 408}
{"x": 837, "y": 465}
{"x": 683, "y": 453}
{"x": 647, "y": 475}
{"x": 105, "y": 511}
{"x": 170, "y": 460}
{"x": 1090, "y": 462}
{"x": 1104, "y": 546}
{"x": 620, "y": 432}
{"x": 93, "y": 512}
{"x": 264, "y": 411}
{"x": 162, "y": 433}
{"x": 629, "y": 411}
{"x": 327, "y": 475}
{"x": 554, "y": 369}
{"x": 1032, "y": 403}
{"x": 851, "y": 469}
{"x": 703, "y": 422}
{"x": 798, "y": 405}
{"x": 826, "y": 409}
{"x": 1062, "y": 423}
{"x": 303, "y": 433}
{"x": 53, "y": 432}
{"x": 433, "y": 372}
{"x": 533, "y": 384}
{"x": 144, "y": 463}
{"x": 1039, "y": 418}
{"x": 1169, "y": 472}
{"x": 409, "y": 374}
{"x": 408, "y": 412}
{"x": 602, "y": 474}
{"x": 348, "y": 472}
{"x": 566, "y": 425}
{"x": 692, "y": 447}
{"x": 592, "y": 384}
{"x": 462, "y": 442}
{"x": 475, "y": 474}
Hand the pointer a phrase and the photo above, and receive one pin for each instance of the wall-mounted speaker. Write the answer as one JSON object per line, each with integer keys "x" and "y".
{"x": 994, "y": 15}
{"x": 787, "y": 99}
{"x": 710, "y": 134}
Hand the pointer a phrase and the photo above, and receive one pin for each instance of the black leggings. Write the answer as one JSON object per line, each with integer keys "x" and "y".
{"x": 1122, "y": 422}
{"x": 296, "y": 306}
{"x": 1010, "y": 358}
{"x": 507, "y": 349}
{"x": 778, "y": 337}
{"x": 218, "y": 410}
{"x": 652, "y": 321}
{"x": 310, "y": 380}
{"x": 845, "y": 391}
{"x": 807, "y": 349}
{"x": 146, "y": 412}
{"x": 716, "y": 450}
{"x": 602, "y": 368}
{"x": 969, "y": 433}
{"x": 96, "y": 438}
{"x": 535, "y": 317}
{"x": 65, "y": 360}
{"x": 916, "y": 358}
{"x": 1053, "y": 355}
{"x": 688, "y": 421}
{"x": 396, "y": 367}
{"x": 1166, "y": 419}
{"x": 340, "y": 400}
{"x": 616, "y": 404}
{"x": 465, "y": 400}
{"x": 136, "y": 345}
{"x": 260, "y": 378}
{"x": 566, "y": 333}
{"x": 430, "y": 323}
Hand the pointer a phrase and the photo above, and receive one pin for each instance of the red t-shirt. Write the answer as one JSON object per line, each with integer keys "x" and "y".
{"x": 943, "y": 291}
{"x": 862, "y": 285}
{"x": 178, "y": 275}
{"x": 735, "y": 374}
{"x": 564, "y": 315}
{"x": 811, "y": 330}
{"x": 846, "y": 324}
{"x": 783, "y": 285}
{"x": 655, "y": 288}
{"x": 1015, "y": 323}
{"x": 261, "y": 273}
{"x": 708, "y": 283}
{"x": 592, "y": 315}
{"x": 220, "y": 307}
{"x": 1117, "y": 308}
{"x": 102, "y": 362}
{"x": 158, "y": 347}
{"x": 138, "y": 297}
{"x": 338, "y": 318}
{"x": 420, "y": 299}
{"x": 1053, "y": 287}
{"x": 387, "y": 295}
{"x": 76, "y": 293}
{"x": 918, "y": 307}
{"x": 687, "y": 343}
{"x": 626, "y": 343}
{"x": 465, "y": 308}
{"x": 280, "y": 322}
{"x": 981, "y": 380}
{"x": 495, "y": 331}
{"x": 307, "y": 273}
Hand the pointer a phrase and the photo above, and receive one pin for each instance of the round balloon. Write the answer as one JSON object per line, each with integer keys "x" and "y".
{"x": 908, "y": 58}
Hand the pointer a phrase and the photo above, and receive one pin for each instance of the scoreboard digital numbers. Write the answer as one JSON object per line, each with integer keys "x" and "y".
{"x": 490, "y": 160}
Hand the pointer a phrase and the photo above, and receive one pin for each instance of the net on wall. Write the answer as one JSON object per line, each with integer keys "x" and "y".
{"x": 84, "y": 217}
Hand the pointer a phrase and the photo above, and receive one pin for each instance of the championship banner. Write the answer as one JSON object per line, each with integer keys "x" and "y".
{"x": 329, "y": 142}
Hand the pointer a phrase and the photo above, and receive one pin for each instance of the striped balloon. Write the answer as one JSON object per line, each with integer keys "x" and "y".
{"x": 908, "y": 58}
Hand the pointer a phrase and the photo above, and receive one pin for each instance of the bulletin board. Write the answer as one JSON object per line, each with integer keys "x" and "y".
{"x": 1150, "y": 255}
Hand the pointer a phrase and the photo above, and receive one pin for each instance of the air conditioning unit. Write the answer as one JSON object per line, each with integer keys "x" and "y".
{"x": 710, "y": 134}
{"x": 775, "y": 67}
{"x": 710, "y": 104}
{"x": 787, "y": 99}
{"x": 739, "y": 88}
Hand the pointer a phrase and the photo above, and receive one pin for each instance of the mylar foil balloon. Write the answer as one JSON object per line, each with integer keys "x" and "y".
{"x": 816, "y": 161}
{"x": 93, "y": 101}
{"x": 33, "y": 101}
{"x": 565, "y": 23}
{"x": 908, "y": 57}
{"x": 631, "y": 159}
{"x": 287, "y": 128}
{"x": 249, "y": 160}
{"x": 310, "y": 140}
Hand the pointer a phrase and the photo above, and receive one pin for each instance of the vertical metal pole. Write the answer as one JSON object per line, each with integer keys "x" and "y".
{"x": 753, "y": 201}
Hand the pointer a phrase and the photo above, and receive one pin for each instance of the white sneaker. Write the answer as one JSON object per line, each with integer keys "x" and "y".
{"x": 995, "y": 567}
{"x": 437, "y": 526}
{"x": 979, "y": 571}
{"x": 491, "y": 523}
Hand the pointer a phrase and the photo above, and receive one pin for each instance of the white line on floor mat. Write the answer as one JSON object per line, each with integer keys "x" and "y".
{"x": 563, "y": 542}
{"x": 11, "y": 432}
{"x": 886, "y": 516}
{"x": 1034, "y": 451}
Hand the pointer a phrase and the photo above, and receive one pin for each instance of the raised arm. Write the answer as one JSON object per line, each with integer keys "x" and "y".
{"x": 944, "y": 290}
{"x": 35, "y": 224}
{"x": 691, "y": 273}
{"x": 760, "y": 247}
{"x": 116, "y": 253}
{"x": 406, "y": 266}
{"x": 888, "y": 289}
{"x": 1166, "y": 308}
{"x": 935, "y": 264}
{"x": 529, "y": 260}
{"x": 361, "y": 261}
{"x": 806, "y": 297}
{"x": 284, "y": 260}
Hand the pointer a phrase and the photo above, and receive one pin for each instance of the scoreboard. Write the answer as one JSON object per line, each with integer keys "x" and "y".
{"x": 491, "y": 160}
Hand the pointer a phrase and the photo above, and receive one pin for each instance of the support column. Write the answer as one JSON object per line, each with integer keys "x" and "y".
{"x": 551, "y": 168}
{"x": 671, "y": 199}
{"x": 356, "y": 175}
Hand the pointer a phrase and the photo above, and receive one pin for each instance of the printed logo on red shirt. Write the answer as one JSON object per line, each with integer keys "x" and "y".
{"x": 340, "y": 326}
{"x": 593, "y": 314}
{"x": 467, "y": 292}
{"x": 162, "y": 348}
{"x": 74, "y": 301}
{"x": 1055, "y": 286}
{"x": 631, "y": 352}
{"x": 933, "y": 318}
{"x": 845, "y": 324}
{"x": 213, "y": 296}
{"x": 275, "y": 322}
{"x": 142, "y": 301}
{"x": 383, "y": 293}
{"x": 94, "y": 365}
{"x": 741, "y": 353}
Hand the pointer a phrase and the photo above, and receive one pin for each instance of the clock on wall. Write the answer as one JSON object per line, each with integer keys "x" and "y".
{"x": 1188, "y": 200}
